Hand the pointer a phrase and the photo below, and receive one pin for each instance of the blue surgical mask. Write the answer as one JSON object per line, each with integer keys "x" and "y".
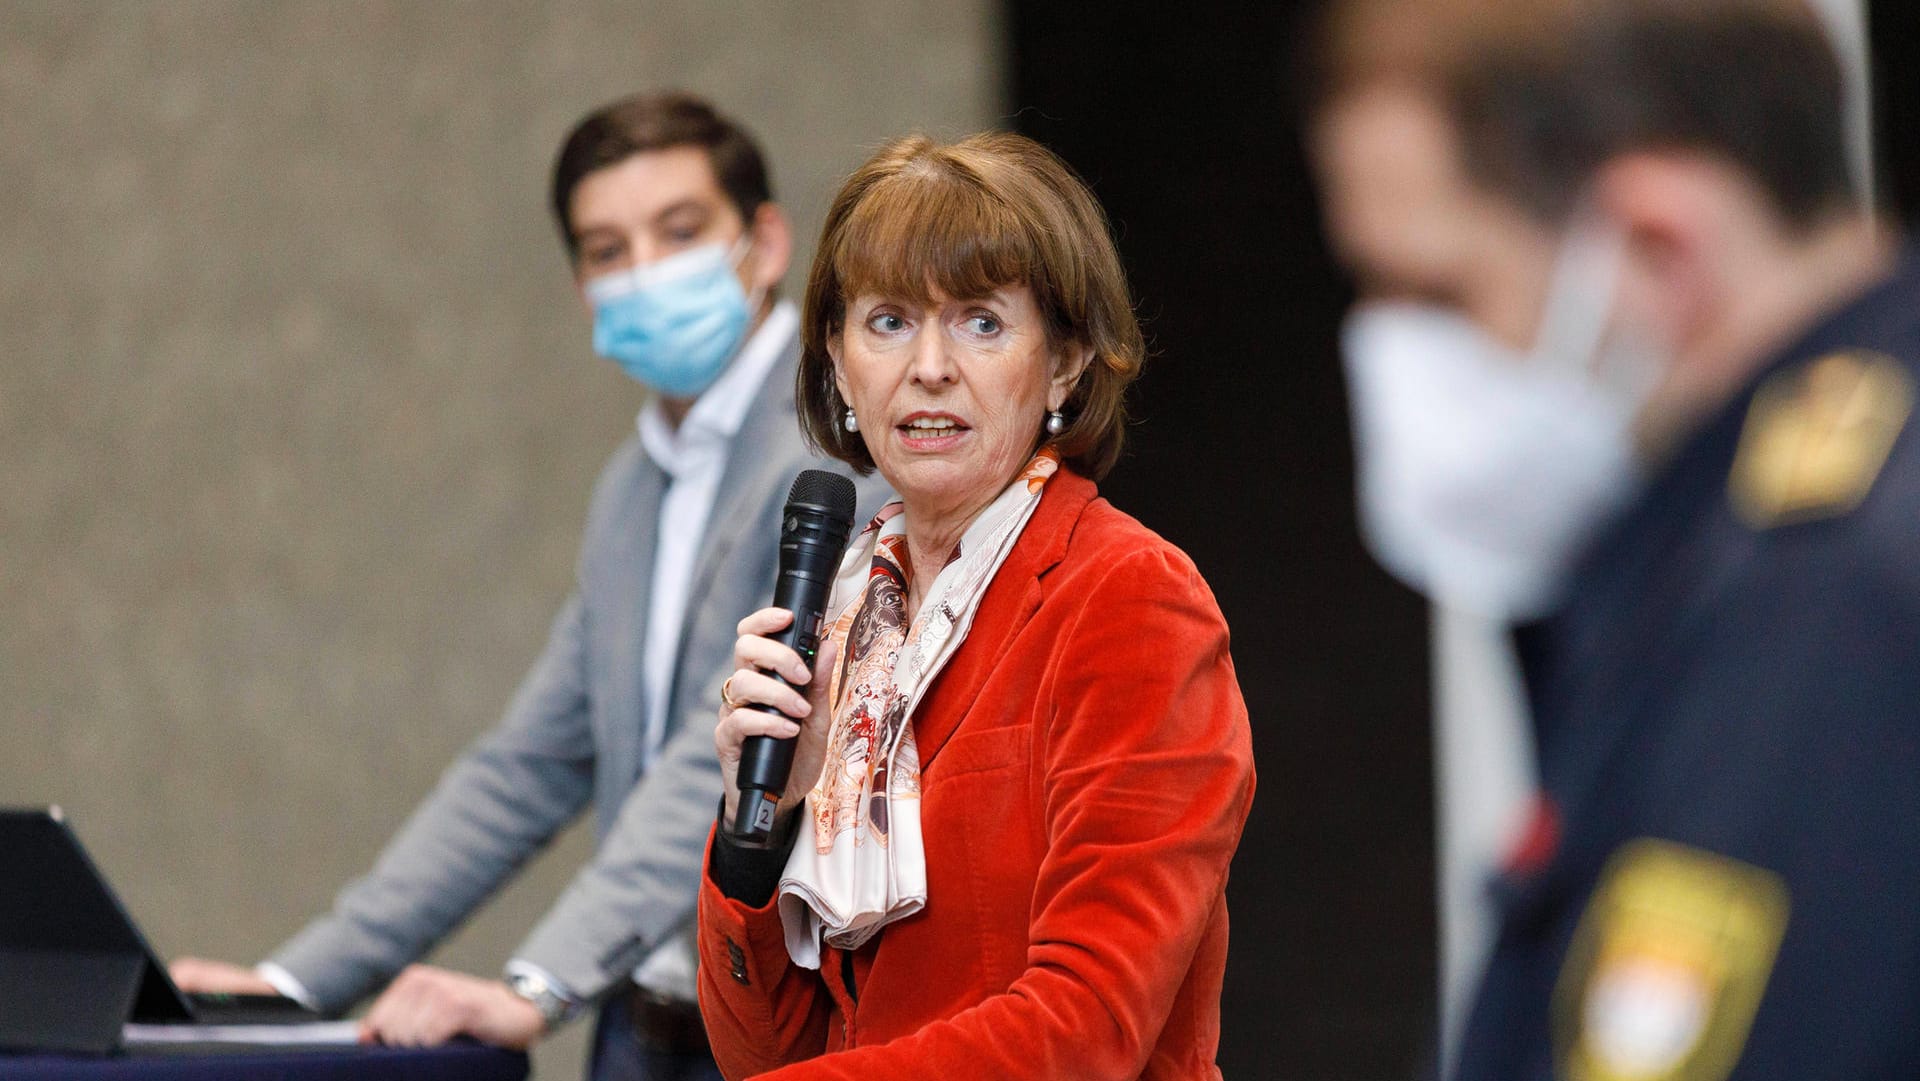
{"x": 673, "y": 324}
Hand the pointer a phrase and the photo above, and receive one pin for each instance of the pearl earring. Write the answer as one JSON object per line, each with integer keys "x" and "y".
{"x": 1056, "y": 423}
{"x": 852, "y": 422}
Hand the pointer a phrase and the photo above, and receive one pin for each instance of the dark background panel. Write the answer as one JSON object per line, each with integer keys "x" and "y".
{"x": 1178, "y": 116}
{"x": 1894, "y": 30}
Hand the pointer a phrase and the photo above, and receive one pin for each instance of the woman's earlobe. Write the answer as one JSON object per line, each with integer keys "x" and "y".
{"x": 839, "y": 376}
{"x": 1068, "y": 378}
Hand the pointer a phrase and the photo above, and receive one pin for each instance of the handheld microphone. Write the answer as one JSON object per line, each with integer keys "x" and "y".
{"x": 813, "y": 535}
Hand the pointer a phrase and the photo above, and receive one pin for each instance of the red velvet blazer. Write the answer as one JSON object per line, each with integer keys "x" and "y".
{"x": 1086, "y": 771}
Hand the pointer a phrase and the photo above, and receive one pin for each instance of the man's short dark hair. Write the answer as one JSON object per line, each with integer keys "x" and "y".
{"x": 615, "y": 132}
{"x": 1544, "y": 92}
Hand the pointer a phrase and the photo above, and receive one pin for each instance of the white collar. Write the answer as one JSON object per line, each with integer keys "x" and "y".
{"x": 721, "y": 409}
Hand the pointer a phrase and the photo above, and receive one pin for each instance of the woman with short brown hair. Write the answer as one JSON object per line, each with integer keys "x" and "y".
{"x": 1025, "y": 760}
{"x": 935, "y": 204}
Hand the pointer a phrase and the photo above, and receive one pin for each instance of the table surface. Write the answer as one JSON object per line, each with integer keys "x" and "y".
{"x": 454, "y": 1062}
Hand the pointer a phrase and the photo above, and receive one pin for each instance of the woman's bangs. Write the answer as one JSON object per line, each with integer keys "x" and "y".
{"x": 913, "y": 236}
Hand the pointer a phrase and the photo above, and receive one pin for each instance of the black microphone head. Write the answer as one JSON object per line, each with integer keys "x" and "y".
{"x": 830, "y": 491}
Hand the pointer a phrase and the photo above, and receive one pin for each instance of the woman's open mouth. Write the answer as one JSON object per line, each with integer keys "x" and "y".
{"x": 931, "y": 431}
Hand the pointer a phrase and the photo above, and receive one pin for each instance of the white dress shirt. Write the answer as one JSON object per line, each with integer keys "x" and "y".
{"x": 694, "y": 458}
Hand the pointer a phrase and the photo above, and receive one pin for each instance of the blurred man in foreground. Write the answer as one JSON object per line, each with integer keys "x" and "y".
{"x": 1633, "y": 371}
{"x": 667, "y": 215}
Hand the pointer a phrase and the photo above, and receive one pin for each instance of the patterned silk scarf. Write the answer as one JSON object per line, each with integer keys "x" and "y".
{"x": 863, "y": 867}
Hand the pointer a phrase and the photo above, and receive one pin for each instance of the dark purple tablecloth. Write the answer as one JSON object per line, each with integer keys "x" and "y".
{"x": 455, "y": 1062}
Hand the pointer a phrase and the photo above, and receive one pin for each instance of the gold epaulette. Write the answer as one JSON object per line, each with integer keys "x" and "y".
{"x": 1817, "y": 437}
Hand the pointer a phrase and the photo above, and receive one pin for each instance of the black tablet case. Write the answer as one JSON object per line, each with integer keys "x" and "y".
{"x": 74, "y": 968}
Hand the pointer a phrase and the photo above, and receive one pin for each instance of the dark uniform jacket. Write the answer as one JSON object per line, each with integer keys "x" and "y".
{"x": 1724, "y": 879}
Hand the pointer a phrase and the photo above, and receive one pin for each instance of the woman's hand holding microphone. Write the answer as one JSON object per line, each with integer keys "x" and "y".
{"x": 754, "y": 656}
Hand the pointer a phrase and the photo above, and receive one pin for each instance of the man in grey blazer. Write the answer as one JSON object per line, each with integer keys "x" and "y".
{"x": 667, "y": 214}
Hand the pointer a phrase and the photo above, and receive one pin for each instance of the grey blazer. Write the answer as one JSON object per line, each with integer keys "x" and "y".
{"x": 573, "y": 733}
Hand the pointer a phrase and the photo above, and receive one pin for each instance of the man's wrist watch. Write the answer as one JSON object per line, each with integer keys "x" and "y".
{"x": 555, "y": 1008}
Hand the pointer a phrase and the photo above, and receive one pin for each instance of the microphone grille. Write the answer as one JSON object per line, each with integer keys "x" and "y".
{"x": 824, "y": 489}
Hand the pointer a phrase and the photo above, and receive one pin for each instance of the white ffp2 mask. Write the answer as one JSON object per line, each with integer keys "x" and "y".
{"x": 1483, "y": 470}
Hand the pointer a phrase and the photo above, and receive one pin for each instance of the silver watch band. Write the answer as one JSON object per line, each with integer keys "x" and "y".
{"x": 555, "y": 1008}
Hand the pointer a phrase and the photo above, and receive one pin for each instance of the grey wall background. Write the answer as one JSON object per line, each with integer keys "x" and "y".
{"x": 297, "y": 410}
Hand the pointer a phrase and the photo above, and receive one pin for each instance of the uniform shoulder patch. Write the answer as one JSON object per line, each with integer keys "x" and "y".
{"x": 1667, "y": 966}
{"x": 1817, "y": 436}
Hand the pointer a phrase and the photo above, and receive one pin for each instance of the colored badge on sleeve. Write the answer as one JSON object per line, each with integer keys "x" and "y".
{"x": 1667, "y": 967}
{"x": 1817, "y": 436}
